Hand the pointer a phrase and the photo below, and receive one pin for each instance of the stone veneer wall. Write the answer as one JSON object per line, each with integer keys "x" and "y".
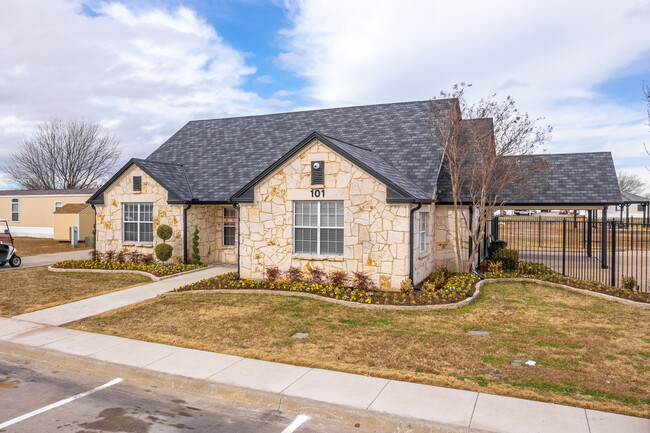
{"x": 209, "y": 220}
{"x": 423, "y": 263}
{"x": 445, "y": 237}
{"x": 375, "y": 233}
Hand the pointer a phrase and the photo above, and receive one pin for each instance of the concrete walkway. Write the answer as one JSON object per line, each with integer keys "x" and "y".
{"x": 89, "y": 307}
{"x": 292, "y": 388}
{"x": 47, "y": 259}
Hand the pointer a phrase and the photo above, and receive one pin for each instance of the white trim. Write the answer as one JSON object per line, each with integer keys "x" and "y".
{"x": 318, "y": 227}
{"x": 32, "y": 232}
{"x": 422, "y": 231}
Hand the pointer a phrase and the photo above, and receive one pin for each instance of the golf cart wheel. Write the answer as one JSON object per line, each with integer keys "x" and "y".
{"x": 2, "y": 264}
{"x": 15, "y": 261}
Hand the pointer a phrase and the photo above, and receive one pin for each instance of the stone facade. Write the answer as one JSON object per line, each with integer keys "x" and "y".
{"x": 376, "y": 234}
{"x": 445, "y": 238}
{"x": 209, "y": 220}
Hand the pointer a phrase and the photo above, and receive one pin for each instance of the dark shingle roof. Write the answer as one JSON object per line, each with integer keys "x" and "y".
{"x": 628, "y": 197}
{"x": 565, "y": 179}
{"x": 221, "y": 156}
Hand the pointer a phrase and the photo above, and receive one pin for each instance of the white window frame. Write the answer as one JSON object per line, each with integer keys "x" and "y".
{"x": 15, "y": 201}
{"x": 318, "y": 227}
{"x": 422, "y": 231}
{"x": 138, "y": 222}
{"x": 233, "y": 225}
{"x": 58, "y": 205}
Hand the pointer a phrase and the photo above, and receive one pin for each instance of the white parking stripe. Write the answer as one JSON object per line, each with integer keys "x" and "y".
{"x": 300, "y": 419}
{"x": 59, "y": 403}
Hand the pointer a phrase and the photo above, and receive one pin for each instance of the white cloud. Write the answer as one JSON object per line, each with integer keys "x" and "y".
{"x": 550, "y": 56}
{"x": 140, "y": 73}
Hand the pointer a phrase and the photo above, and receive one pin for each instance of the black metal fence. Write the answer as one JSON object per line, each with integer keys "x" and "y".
{"x": 579, "y": 247}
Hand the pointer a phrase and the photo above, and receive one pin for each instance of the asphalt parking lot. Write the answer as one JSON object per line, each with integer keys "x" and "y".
{"x": 34, "y": 398}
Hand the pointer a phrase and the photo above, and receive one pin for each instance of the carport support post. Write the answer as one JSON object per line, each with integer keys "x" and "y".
{"x": 603, "y": 250}
{"x": 627, "y": 214}
{"x": 613, "y": 255}
{"x": 563, "y": 246}
{"x": 589, "y": 230}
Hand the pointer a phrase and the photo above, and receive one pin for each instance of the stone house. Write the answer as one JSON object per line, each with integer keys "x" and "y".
{"x": 346, "y": 188}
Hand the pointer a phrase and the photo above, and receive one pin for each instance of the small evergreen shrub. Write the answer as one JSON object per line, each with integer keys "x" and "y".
{"x": 273, "y": 274}
{"x": 438, "y": 278}
{"x": 196, "y": 258}
{"x": 628, "y": 283}
{"x": 164, "y": 252}
{"x": 338, "y": 278}
{"x": 164, "y": 232}
{"x": 509, "y": 258}
{"x": 406, "y": 286}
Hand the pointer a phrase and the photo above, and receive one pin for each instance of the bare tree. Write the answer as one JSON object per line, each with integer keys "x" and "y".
{"x": 630, "y": 182}
{"x": 483, "y": 148}
{"x": 62, "y": 155}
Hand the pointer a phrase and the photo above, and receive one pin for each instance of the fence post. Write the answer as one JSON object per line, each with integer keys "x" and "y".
{"x": 589, "y": 230}
{"x": 539, "y": 231}
{"x": 603, "y": 250}
{"x": 613, "y": 255}
{"x": 563, "y": 245}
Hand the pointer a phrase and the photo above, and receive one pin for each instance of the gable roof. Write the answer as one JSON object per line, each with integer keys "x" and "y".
{"x": 629, "y": 197}
{"x": 72, "y": 208}
{"x": 566, "y": 179}
{"x": 170, "y": 176}
{"x": 222, "y": 156}
{"x": 400, "y": 188}
{"x": 18, "y": 192}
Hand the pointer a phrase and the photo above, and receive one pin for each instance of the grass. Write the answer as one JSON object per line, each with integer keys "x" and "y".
{"x": 33, "y": 246}
{"x": 583, "y": 358}
{"x": 25, "y": 290}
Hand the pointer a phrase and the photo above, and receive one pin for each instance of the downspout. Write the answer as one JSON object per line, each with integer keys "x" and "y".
{"x": 411, "y": 218}
{"x": 94, "y": 228}
{"x": 236, "y": 206}
{"x": 185, "y": 232}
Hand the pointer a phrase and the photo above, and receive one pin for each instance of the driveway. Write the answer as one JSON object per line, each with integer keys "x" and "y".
{"x": 48, "y": 259}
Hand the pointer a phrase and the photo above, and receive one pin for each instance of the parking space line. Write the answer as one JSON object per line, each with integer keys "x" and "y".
{"x": 58, "y": 404}
{"x": 300, "y": 419}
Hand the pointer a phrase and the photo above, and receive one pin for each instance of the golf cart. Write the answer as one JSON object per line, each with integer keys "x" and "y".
{"x": 7, "y": 250}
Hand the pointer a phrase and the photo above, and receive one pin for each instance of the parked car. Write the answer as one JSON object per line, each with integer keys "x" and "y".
{"x": 524, "y": 212}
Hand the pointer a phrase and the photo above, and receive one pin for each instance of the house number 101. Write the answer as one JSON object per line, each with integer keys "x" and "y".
{"x": 318, "y": 193}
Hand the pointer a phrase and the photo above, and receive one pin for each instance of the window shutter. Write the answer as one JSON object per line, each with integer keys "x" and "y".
{"x": 137, "y": 183}
{"x": 318, "y": 172}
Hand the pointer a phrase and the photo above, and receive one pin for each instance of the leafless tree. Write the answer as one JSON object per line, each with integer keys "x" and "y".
{"x": 630, "y": 182}
{"x": 64, "y": 154}
{"x": 483, "y": 145}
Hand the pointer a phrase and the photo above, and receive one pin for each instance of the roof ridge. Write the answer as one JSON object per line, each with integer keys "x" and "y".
{"x": 319, "y": 109}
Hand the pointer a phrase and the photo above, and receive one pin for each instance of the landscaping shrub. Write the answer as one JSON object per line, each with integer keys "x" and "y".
{"x": 146, "y": 259}
{"x": 628, "y": 283}
{"x": 406, "y": 287}
{"x": 164, "y": 232}
{"x": 158, "y": 270}
{"x": 164, "y": 252}
{"x": 293, "y": 275}
{"x": 362, "y": 281}
{"x": 317, "y": 276}
{"x": 133, "y": 256}
{"x": 95, "y": 255}
{"x": 196, "y": 258}
{"x": 495, "y": 267}
{"x": 338, "y": 278}
{"x": 509, "y": 258}
{"x": 120, "y": 257}
{"x": 273, "y": 274}
{"x": 438, "y": 278}
{"x": 110, "y": 255}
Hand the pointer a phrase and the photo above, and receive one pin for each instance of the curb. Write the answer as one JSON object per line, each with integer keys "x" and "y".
{"x": 435, "y": 307}
{"x": 128, "y": 271}
{"x": 643, "y": 305}
{"x": 230, "y": 394}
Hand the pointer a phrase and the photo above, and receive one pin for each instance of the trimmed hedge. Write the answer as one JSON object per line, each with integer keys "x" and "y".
{"x": 156, "y": 269}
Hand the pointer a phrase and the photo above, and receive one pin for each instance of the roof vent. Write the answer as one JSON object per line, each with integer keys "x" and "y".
{"x": 137, "y": 183}
{"x": 318, "y": 172}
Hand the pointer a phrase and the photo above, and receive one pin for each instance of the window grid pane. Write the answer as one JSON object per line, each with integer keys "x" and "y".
{"x": 138, "y": 222}
{"x": 318, "y": 227}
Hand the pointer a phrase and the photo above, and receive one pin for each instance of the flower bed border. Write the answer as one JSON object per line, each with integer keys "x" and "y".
{"x": 643, "y": 305}
{"x": 351, "y": 304}
{"x": 129, "y": 271}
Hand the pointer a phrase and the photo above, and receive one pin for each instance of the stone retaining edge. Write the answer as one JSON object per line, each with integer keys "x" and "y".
{"x": 231, "y": 394}
{"x": 436, "y": 307}
{"x": 130, "y": 271}
{"x": 643, "y": 305}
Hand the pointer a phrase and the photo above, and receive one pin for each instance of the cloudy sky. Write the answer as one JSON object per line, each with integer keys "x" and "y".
{"x": 142, "y": 69}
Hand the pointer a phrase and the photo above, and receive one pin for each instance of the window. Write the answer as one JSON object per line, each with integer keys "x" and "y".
{"x": 229, "y": 226}
{"x": 57, "y": 205}
{"x": 14, "y": 209}
{"x": 137, "y": 183}
{"x": 138, "y": 222}
{"x": 318, "y": 227}
{"x": 422, "y": 231}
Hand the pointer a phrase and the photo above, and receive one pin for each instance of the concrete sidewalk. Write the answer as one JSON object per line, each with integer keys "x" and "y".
{"x": 48, "y": 259}
{"x": 89, "y": 307}
{"x": 291, "y": 388}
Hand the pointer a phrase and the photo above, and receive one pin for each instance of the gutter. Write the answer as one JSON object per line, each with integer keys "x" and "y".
{"x": 236, "y": 206}
{"x": 189, "y": 205}
{"x": 411, "y": 218}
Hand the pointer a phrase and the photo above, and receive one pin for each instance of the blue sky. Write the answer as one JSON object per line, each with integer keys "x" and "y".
{"x": 144, "y": 68}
